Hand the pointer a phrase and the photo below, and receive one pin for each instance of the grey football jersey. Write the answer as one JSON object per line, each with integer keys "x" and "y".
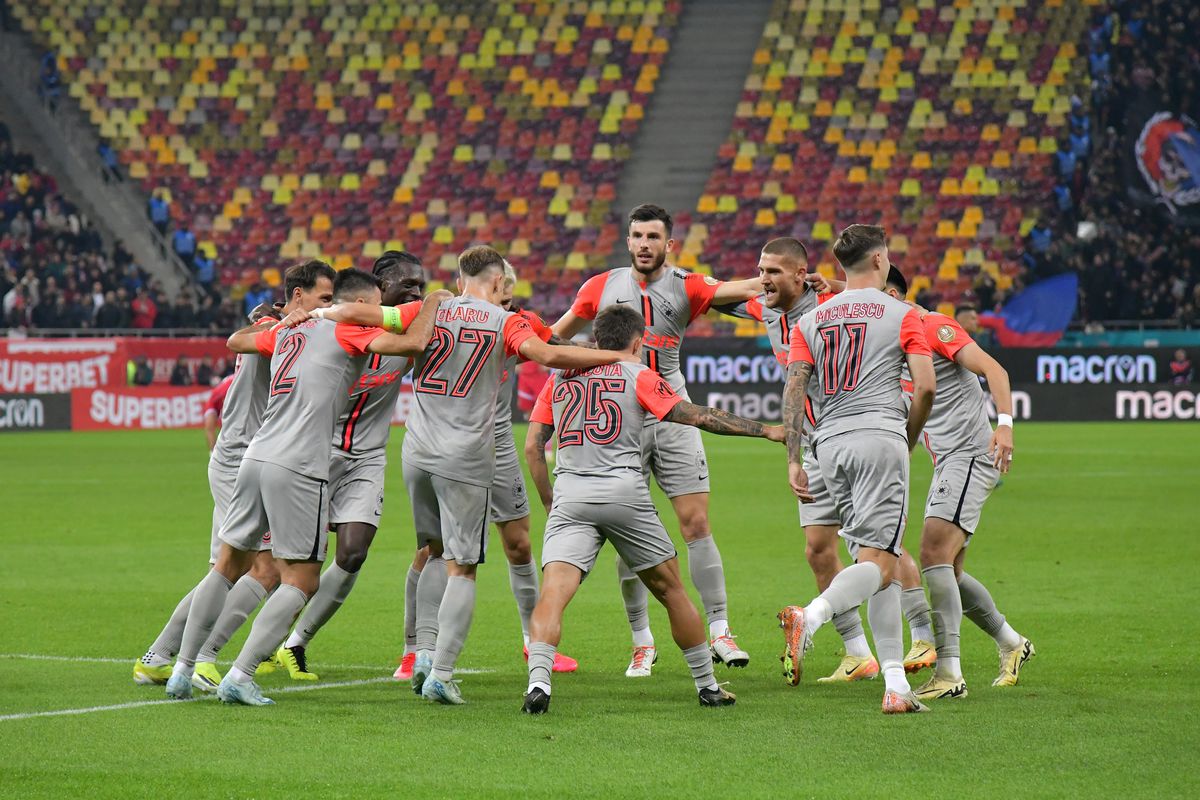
{"x": 598, "y": 415}
{"x": 312, "y": 369}
{"x": 778, "y": 323}
{"x": 857, "y": 343}
{"x": 504, "y": 398}
{"x": 958, "y": 423}
{"x": 242, "y": 413}
{"x": 451, "y": 432}
{"x": 669, "y": 305}
{"x": 365, "y": 425}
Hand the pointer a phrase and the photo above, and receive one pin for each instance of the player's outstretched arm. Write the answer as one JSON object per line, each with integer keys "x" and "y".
{"x": 924, "y": 385}
{"x": 412, "y": 342}
{"x": 536, "y": 438}
{"x": 569, "y": 356}
{"x": 714, "y": 420}
{"x": 795, "y": 393}
{"x": 245, "y": 340}
{"x": 568, "y": 325}
{"x": 975, "y": 359}
{"x": 737, "y": 291}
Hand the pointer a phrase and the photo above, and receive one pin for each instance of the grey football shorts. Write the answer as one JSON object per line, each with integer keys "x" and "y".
{"x": 509, "y": 498}
{"x": 575, "y": 532}
{"x": 960, "y": 486}
{"x": 293, "y": 507}
{"x": 221, "y": 482}
{"x": 449, "y": 511}
{"x": 356, "y": 488}
{"x": 866, "y": 473}
{"x": 674, "y": 454}
{"x": 822, "y": 510}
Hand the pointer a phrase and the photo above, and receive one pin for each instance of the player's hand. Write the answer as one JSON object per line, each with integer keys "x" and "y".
{"x": 273, "y": 310}
{"x": 798, "y": 480}
{"x": 774, "y": 433}
{"x": 297, "y": 317}
{"x": 1001, "y": 448}
{"x": 819, "y": 283}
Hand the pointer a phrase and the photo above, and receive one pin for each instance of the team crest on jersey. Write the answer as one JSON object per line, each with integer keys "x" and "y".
{"x": 945, "y": 333}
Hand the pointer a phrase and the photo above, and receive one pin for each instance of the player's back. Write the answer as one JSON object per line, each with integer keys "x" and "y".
{"x": 312, "y": 369}
{"x": 598, "y": 415}
{"x": 242, "y": 412}
{"x": 451, "y": 431}
{"x": 856, "y": 343}
{"x": 958, "y": 422}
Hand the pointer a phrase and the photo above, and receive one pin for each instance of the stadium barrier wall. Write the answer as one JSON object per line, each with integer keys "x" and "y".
{"x": 743, "y": 377}
{"x": 54, "y": 366}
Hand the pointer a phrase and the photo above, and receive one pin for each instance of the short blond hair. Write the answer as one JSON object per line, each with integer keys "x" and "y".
{"x": 510, "y": 274}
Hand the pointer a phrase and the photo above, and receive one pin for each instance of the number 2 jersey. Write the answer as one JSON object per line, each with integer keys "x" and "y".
{"x": 598, "y": 414}
{"x": 857, "y": 344}
{"x": 668, "y": 304}
{"x": 313, "y": 367}
{"x": 451, "y": 431}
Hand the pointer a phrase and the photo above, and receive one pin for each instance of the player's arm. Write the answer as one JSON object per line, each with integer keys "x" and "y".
{"x": 822, "y": 285}
{"x": 920, "y": 366}
{"x": 736, "y": 291}
{"x": 212, "y": 425}
{"x": 795, "y": 394}
{"x": 568, "y": 356}
{"x": 975, "y": 359}
{"x": 714, "y": 420}
{"x": 536, "y": 439}
{"x": 568, "y": 325}
{"x": 416, "y": 335}
{"x": 583, "y": 310}
{"x": 250, "y": 340}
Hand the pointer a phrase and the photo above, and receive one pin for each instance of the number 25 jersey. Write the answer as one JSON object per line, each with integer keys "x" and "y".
{"x": 856, "y": 344}
{"x": 598, "y": 414}
{"x": 451, "y": 430}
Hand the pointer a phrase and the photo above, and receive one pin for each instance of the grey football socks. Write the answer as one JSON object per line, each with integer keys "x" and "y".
{"x": 335, "y": 587}
{"x": 524, "y": 582}
{"x": 848, "y": 590}
{"x": 979, "y": 607}
{"x": 454, "y": 622}
{"x": 240, "y": 603}
{"x": 947, "y": 614}
{"x": 431, "y": 588}
{"x": 699, "y": 661}
{"x": 636, "y": 597}
{"x": 208, "y": 598}
{"x": 541, "y": 663}
{"x": 270, "y": 627}
{"x": 167, "y": 644}
{"x": 849, "y": 626}
{"x": 916, "y": 611}
{"x": 410, "y": 610}
{"x": 708, "y": 576}
{"x": 883, "y": 612}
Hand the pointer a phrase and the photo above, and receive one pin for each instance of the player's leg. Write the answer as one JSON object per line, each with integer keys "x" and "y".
{"x": 298, "y": 510}
{"x": 923, "y": 652}
{"x": 350, "y": 552}
{"x": 633, "y": 591}
{"x": 411, "y": 579}
{"x": 431, "y": 583}
{"x": 245, "y": 596}
{"x": 240, "y": 533}
{"x": 980, "y": 608}
{"x": 545, "y": 632}
{"x": 941, "y": 542}
{"x": 464, "y": 512}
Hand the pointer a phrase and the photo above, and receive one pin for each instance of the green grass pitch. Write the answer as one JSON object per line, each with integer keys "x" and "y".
{"x": 1090, "y": 548}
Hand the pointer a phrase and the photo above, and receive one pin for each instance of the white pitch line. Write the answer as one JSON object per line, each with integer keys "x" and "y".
{"x": 102, "y": 660}
{"x": 63, "y": 712}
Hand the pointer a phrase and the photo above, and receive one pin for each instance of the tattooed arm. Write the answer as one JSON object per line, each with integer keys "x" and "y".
{"x": 536, "y": 438}
{"x": 794, "y": 396}
{"x": 715, "y": 420}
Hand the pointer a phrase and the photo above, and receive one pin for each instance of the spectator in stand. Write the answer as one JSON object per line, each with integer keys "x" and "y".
{"x": 184, "y": 245}
{"x": 206, "y": 271}
{"x": 256, "y": 295}
{"x": 140, "y": 372}
{"x": 50, "y": 81}
{"x": 144, "y": 310}
{"x": 185, "y": 312}
{"x": 111, "y": 314}
{"x": 204, "y": 372}
{"x": 109, "y": 163}
{"x": 181, "y": 374}
{"x": 1181, "y": 369}
{"x": 160, "y": 211}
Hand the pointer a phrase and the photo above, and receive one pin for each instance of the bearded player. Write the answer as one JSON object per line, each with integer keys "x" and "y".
{"x": 669, "y": 299}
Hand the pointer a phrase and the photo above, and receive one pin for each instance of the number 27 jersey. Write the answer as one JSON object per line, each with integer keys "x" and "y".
{"x": 598, "y": 414}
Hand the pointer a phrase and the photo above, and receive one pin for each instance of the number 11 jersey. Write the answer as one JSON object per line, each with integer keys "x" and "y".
{"x": 856, "y": 344}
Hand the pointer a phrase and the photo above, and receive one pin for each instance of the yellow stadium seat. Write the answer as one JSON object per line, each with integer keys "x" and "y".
{"x": 857, "y": 175}
{"x": 576, "y": 261}
{"x": 764, "y": 218}
{"x": 350, "y": 182}
{"x": 921, "y": 160}
{"x": 372, "y": 248}
{"x": 707, "y": 204}
{"x": 321, "y": 222}
{"x": 519, "y": 247}
{"x": 518, "y": 206}
{"x": 464, "y": 152}
{"x": 946, "y": 229}
{"x": 402, "y": 194}
{"x": 342, "y": 262}
{"x": 785, "y": 203}
{"x": 822, "y": 231}
{"x": 550, "y": 179}
{"x": 910, "y": 187}
{"x": 443, "y": 235}
{"x": 950, "y": 187}
{"x": 418, "y": 221}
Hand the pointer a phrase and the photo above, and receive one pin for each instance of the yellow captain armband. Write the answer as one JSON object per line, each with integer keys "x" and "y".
{"x": 391, "y": 319}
